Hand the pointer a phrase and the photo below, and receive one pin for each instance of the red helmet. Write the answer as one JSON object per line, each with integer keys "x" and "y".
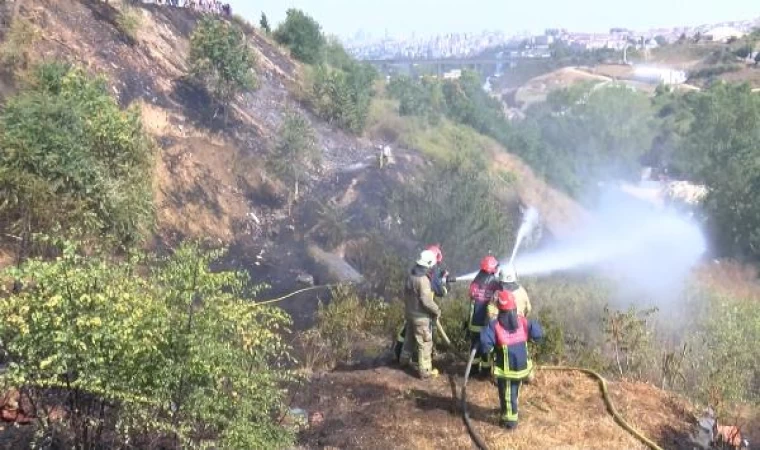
{"x": 505, "y": 301}
{"x": 489, "y": 264}
{"x": 435, "y": 248}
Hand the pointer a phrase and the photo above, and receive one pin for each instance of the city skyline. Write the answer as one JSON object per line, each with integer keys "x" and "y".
{"x": 430, "y": 17}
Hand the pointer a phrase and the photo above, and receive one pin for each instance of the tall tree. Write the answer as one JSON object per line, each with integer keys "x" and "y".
{"x": 723, "y": 148}
{"x": 264, "y": 23}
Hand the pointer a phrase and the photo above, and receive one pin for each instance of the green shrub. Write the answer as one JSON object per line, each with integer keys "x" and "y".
{"x": 221, "y": 58}
{"x": 71, "y": 156}
{"x": 725, "y": 353}
{"x": 350, "y": 322}
{"x": 19, "y": 40}
{"x": 342, "y": 96}
{"x": 551, "y": 349}
{"x": 714, "y": 71}
{"x": 454, "y": 313}
{"x": 295, "y": 152}
{"x": 176, "y": 356}
{"x": 302, "y": 35}
{"x": 129, "y": 21}
{"x": 453, "y": 204}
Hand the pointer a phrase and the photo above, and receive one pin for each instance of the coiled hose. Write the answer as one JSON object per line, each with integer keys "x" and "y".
{"x": 480, "y": 443}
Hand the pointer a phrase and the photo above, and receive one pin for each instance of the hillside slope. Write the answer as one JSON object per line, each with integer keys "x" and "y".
{"x": 211, "y": 183}
{"x": 384, "y": 407}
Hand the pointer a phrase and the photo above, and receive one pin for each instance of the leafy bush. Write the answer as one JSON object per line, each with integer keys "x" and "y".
{"x": 302, "y": 35}
{"x": 221, "y": 58}
{"x": 350, "y": 321}
{"x": 714, "y": 71}
{"x": 129, "y": 21}
{"x": 424, "y": 99}
{"x": 19, "y": 39}
{"x": 93, "y": 332}
{"x": 723, "y": 367}
{"x": 343, "y": 96}
{"x": 551, "y": 349}
{"x": 453, "y": 204}
{"x": 71, "y": 156}
{"x": 454, "y": 312}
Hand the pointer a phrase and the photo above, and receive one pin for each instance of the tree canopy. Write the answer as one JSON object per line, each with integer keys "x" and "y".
{"x": 221, "y": 58}
{"x": 302, "y": 35}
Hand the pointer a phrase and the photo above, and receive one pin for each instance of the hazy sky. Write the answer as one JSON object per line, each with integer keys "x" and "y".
{"x": 345, "y": 17}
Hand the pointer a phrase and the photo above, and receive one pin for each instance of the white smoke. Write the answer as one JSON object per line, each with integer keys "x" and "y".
{"x": 649, "y": 250}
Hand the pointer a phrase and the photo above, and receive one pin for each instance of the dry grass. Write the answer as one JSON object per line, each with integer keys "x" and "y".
{"x": 539, "y": 87}
{"x": 387, "y": 408}
{"x": 731, "y": 279}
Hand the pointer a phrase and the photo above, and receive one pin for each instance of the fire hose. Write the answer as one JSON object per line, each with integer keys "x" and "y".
{"x": 465, "y": 414}
{"x": 480, "y": 443}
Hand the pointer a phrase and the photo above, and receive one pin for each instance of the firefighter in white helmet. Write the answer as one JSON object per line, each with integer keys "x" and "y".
{"x": 508, "y": 280}
{"x": 421, "y": 312}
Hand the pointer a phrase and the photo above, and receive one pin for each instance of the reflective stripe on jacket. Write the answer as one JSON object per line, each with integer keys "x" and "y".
{"x": 511, "y": 359}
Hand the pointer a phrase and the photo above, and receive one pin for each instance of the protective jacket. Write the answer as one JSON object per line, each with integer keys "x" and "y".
{"x": 521, "y": 297}
{"x": 482, "y": 290}
{"x": 511, "y": 359}
{"x": 418, "y": 295}
{"x": 437, "y": 283}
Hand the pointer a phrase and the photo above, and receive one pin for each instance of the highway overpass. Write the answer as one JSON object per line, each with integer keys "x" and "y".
{"x": 441, "y": 65}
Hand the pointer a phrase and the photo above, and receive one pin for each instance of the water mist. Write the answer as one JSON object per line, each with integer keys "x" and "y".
{"x": 648, "y": 250}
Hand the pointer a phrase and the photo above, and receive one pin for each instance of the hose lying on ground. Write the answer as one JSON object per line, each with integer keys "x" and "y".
{"x": 608, "y": 401}
{"x": 605, "y": 393}
{"x": 310, "y": 288}
{"x": 466, "y": 415}
{"x": 480, "y": 443}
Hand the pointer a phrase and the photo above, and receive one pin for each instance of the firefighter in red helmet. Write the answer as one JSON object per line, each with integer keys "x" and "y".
{"x": 508, "y": 337}
{"x": 482, "y": 291}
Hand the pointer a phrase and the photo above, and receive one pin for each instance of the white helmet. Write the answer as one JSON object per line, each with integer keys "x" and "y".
{"x": 507, "y": 274}
{"x": 427, "y": 259}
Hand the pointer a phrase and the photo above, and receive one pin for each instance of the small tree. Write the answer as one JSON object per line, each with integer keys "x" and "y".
{"x": 302, "y": 35}
{"x": 95, "y": 331}
{"x": 264, "y": 23}
{"x": 221, "y": 59}
{"x": 295, "y": 153}
{"x": 72, "y": 156}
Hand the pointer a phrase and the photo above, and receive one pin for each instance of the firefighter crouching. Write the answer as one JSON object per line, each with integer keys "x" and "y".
{"x": 420, "y": 311}
{"x": 507, "y": 336}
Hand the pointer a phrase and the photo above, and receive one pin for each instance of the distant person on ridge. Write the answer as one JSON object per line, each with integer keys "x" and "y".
{"x": 420, "y": 311}
{"x": 508, "y": 337}
{"x": 508, "y": 280}
{"x": 482, "y": 290}
{"x": 439, "y": 278}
